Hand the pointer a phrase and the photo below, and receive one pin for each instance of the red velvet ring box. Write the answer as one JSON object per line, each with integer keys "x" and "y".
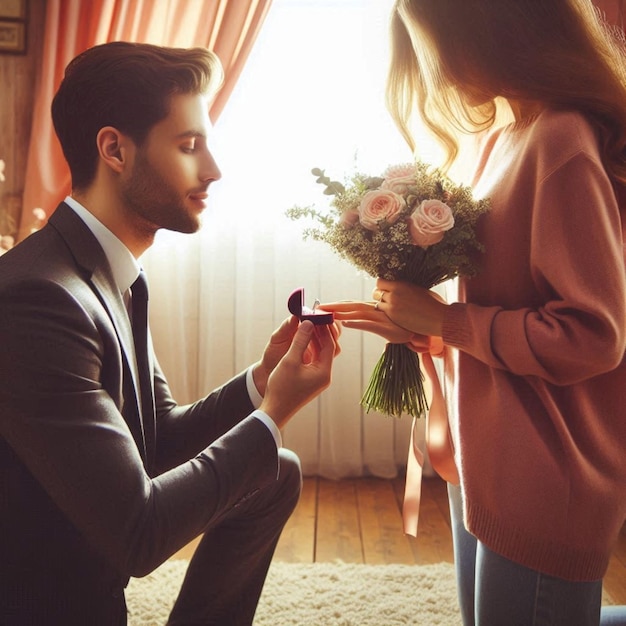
{"x": 295, "y": 304}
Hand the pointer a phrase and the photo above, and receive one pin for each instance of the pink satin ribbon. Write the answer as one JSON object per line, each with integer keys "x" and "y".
{"x": 439, "y": 446}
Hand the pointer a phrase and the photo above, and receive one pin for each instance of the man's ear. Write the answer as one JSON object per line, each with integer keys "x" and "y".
{"x": 113, "y": 148}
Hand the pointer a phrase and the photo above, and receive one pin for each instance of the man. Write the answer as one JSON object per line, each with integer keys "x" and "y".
{"x": 103, "y": 477}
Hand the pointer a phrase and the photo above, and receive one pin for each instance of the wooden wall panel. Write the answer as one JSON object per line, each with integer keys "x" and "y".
{"x": 18, "y": 77}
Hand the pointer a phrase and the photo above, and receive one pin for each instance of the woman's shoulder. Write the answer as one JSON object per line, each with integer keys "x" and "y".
{"x": 539, "y": 144}
{"x": 551, "y": 139}
{"x": 551, "y": 130}
{"x": 564, "y": 132}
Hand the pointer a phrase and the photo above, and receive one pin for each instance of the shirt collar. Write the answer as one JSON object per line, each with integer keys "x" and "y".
{"x": 123, "y": 264}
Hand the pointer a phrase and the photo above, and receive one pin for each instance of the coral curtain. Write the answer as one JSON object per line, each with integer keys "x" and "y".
{"x": 227, "y": 27}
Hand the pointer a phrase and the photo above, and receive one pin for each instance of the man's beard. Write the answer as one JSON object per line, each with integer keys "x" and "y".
{"x": 149, "y": 196}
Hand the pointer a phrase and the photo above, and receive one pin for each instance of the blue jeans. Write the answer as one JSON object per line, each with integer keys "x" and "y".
{"x": 494, "y": 591}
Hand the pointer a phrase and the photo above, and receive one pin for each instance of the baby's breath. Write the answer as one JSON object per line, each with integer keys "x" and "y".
{"x": 389, "y": 252}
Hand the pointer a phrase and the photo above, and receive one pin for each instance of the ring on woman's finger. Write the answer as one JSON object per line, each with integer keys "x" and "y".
{"x": 376, "y": 305}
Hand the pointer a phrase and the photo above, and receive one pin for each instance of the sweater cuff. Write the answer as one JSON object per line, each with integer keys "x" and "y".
{"x": 455, "y": 331}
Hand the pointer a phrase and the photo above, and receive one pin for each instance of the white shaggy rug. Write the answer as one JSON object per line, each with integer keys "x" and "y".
{"x": 321, "y": 594}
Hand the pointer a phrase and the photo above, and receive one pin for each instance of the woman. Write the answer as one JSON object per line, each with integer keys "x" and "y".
{"x": 535, "y": 369}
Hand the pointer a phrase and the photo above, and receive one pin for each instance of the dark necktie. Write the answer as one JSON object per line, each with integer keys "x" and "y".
{"x": 139, "y": 308}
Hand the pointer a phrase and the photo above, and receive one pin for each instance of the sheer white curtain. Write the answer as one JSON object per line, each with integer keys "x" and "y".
{"x": 311, "y": 95}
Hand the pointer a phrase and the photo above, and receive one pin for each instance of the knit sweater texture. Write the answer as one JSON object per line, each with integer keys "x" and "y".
{"x": 536, "y": 382}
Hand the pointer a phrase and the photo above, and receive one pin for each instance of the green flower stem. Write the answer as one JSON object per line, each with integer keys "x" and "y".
{"x": 396, "y": 386}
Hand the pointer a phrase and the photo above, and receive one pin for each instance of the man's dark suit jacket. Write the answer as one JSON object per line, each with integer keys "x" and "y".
{"x": 91, "y": 493}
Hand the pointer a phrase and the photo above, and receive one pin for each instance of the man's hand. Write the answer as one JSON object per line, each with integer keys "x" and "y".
{"x": 274, "y": 351}
{"x": 302, "y": 373}
{"x": 277, "y": 347}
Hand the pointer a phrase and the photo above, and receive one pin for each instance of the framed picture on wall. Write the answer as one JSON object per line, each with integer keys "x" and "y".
{"x": 13, "y": 21}
{"x": 13, "y": 9}
{"x": 12, "y": 37}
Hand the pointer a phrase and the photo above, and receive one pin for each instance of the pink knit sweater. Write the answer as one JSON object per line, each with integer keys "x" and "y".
{"x": 537, "y": 385}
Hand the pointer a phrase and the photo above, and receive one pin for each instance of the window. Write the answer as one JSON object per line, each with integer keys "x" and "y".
{"x": 311, "y": 95}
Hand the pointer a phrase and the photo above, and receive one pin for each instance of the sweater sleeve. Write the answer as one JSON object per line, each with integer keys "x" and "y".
{"x": 574, "y": 326}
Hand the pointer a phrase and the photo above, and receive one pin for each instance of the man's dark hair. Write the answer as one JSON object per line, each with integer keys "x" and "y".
{"x": 128, "y": 86}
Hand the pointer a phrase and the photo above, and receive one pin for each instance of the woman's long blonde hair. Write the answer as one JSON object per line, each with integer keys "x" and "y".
{"x": 451, "y": 60}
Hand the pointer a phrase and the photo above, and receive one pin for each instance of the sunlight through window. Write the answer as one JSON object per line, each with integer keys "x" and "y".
{"x": 311, "y": 95}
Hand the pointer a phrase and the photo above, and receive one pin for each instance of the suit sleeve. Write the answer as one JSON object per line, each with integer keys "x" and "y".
{"x": 65, "y": 427}
{"x": 184, "y": 430}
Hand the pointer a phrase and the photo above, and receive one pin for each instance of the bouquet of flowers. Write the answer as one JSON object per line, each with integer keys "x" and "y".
{"x": 412, "y": 224}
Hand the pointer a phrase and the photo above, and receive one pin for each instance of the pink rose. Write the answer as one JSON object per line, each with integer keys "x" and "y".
{"x": 430, "y": 220}
{"x": 398, "y": 178}
{"x": 349, "y": 218}
{"x": 380, "y": 206}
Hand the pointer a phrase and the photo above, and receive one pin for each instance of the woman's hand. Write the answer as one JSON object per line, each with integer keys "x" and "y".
{"x": 411, "y": 307}
{"x": 365, "y": 316}
{"x": 406, "y": 314}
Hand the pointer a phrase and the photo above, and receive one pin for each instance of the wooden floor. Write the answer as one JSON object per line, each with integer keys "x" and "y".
{"x": 359, "y": 521}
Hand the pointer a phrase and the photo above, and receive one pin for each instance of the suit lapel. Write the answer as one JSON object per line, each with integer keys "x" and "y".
{"x": 114, "y": 305}
{"x": 91, "y": 259}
